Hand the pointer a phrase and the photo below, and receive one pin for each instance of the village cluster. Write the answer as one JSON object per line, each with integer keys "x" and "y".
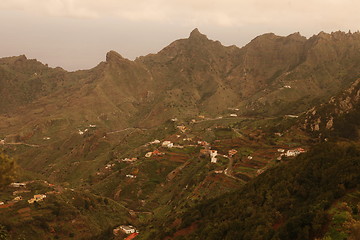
{"x": 183, "y": 141}
{"x": 22, "y": 189}
{"x": 161, "y": 148}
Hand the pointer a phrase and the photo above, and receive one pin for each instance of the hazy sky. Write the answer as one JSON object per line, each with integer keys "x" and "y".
{"x": 76, "y": 34}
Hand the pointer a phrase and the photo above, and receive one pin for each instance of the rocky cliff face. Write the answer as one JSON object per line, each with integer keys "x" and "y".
{"x": 324, "y": 116}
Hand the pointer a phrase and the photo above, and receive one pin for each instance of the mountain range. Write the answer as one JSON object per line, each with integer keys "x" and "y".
{"x": 89, "y": 131}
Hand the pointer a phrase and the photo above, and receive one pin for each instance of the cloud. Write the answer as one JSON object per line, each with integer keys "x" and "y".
{"x": 221, "y": 13}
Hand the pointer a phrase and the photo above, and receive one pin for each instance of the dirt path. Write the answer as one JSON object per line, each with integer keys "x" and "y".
{"x": 229, "y": 170}
{"x": 21, "y": 143}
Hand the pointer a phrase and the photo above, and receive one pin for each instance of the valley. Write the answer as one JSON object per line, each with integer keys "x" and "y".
{"x": 198, "y": 141}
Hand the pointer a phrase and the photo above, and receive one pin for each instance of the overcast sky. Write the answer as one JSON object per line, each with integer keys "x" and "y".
{"x": 76, "y": 34}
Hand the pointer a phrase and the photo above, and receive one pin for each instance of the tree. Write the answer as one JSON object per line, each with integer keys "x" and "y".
{"x": 4, "y": 235}
{"x": 7, "y": 169}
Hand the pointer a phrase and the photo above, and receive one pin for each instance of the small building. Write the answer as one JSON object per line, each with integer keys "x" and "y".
{"x": 292, "y": 153}
{"x": 80, "y": 132}
{"x": 281, "y": 150}
{"x": 18, "y": 198}
{"x": 127, "y": 229}
{"x": 203, "y": 143}
{"x": 37, "y": 198}
{"x": 2, "y": 142}
{"x": 130, "y": 176}
{"x": 157, "y": 153}
{"x": 129, "y": 159}
{"x": 213, "y": 154}
{"x": 17, "y": 185}
{"x": 148, "y": 154}
{"x": 92, "y": 125}
{"x": 250, "y": 157}
{"x": 233, "y": 115}
{"x": 232, "y": 152}
{"x": 182, "y": 128}
{"x": 2, "y": 203}
{"x": 156, "y": 141}
{"x": 167, "y": 144}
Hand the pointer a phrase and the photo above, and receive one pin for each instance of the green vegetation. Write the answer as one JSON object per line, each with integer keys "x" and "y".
{"x": 64, "y": 215}
{"x": 290, "y": 201}
{"x": 7, "y": 169}
{"x": 75, "y": 129}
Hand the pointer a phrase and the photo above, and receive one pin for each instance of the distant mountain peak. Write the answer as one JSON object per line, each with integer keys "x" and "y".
{"x": 196, "y": 34}
{"x": 112, "y": 56}
{"x": 296, "y": 36}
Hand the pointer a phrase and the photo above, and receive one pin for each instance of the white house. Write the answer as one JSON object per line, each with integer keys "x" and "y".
{"x": 213, "y": 154}
{"x": 128, "y": 229}
{"x": 148, "y": 154}
{"x": 2, "y": 142}
{"x": 233, "y": 115}
{"x": 37, "y": 198}
{"x": 155, "y": 142}
{"x": 18, "y": 198}
{"x": 17, "y": 185}
{"x": 292, "y": 153}
{"x": 167, "y": 144}
{"x": 130, "y": 176}
{"x": 129, "y": 159}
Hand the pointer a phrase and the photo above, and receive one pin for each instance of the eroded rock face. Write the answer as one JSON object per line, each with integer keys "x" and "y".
{"x": 323, "y": 116}
{"x": 330, "y": 123}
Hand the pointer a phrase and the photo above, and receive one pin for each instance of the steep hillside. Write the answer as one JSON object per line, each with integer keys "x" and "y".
{"x": 290, "y": 201}
{"x": 338, "y": 117}
{"x": 62, "y": 213}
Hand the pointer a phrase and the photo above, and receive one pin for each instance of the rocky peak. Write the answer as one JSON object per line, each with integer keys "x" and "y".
{"x": 197, "y": 35}
{"x": 296, "y": 36}
{"x": 113, "y": 56}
